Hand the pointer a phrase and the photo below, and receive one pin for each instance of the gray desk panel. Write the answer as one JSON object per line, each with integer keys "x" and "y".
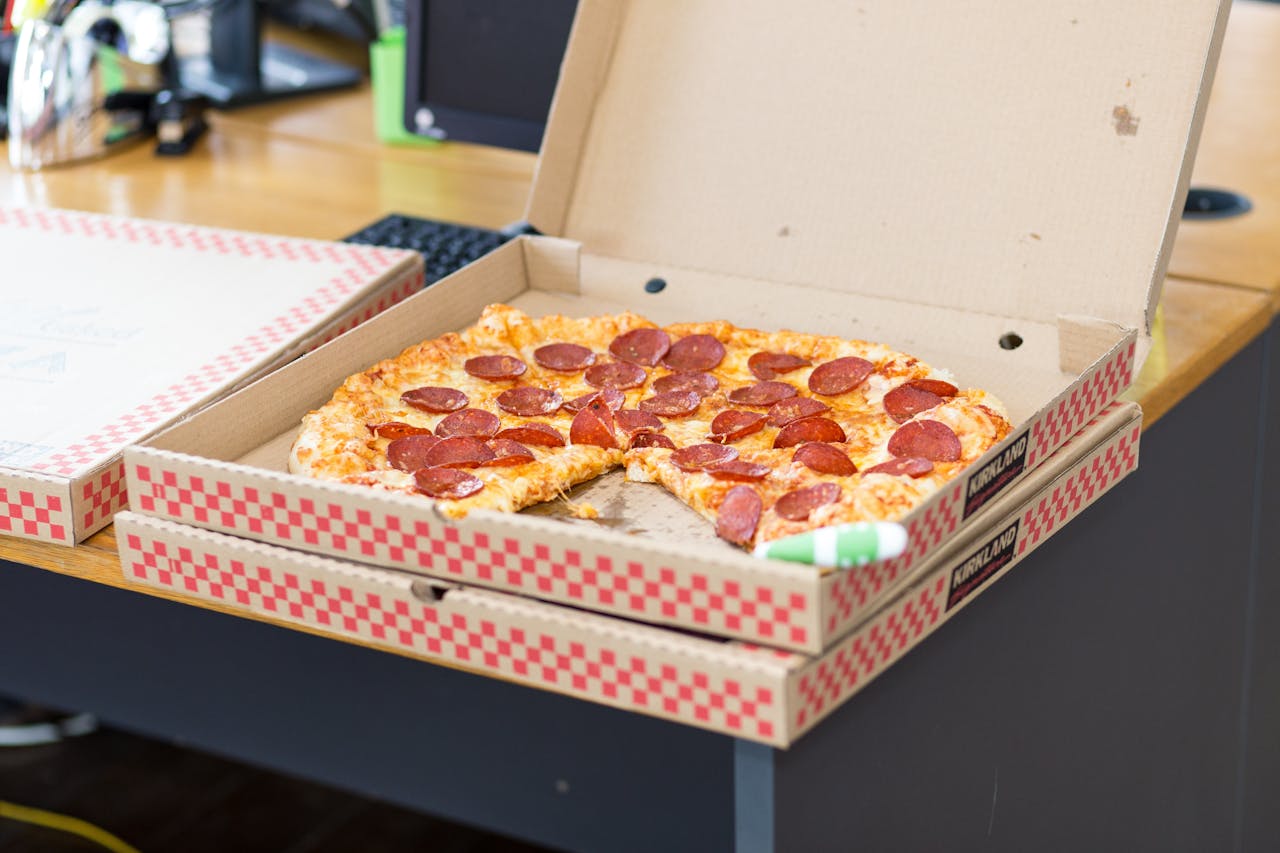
{"x": 515, "y": 760}
{"x": 1260, "y": 769}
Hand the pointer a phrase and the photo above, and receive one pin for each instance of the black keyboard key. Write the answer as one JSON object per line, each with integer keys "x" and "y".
{"x": 445, "y": 246}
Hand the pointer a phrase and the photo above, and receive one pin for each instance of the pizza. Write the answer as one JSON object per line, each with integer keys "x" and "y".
{"x": 765, "y": 434}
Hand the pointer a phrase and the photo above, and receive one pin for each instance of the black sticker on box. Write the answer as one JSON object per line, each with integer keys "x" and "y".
{"x": 989, "y": 480}
{"x": 975, "y": 569}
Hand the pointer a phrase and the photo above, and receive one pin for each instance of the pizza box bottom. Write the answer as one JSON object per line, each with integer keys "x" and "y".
{"x": 755, "y": 692}
{"x": 647, "y": 557}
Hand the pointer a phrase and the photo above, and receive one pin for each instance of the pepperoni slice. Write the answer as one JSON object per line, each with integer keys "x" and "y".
{"x": 476, "y": 423}
{"x": 762, "y": 393}
{"x": 641, "y": 346}
{"x": 534, "y": 432}
{"x": 447, "y": 483}
{"x": 632, "y": 421}
{"x": 458, "y": 452}
{"x": 795, "y": 408}
{"x": 769, "y": 365}
{"x": 396, "y": 429}
{"x": 610, "y": 396}
{"x": 507, "y": 452}
{"x": 702, "y": 384}
{"x": 495, "y": 367}
{"x": 437, "y": 400}
{"x": 935, "y": 386}
{"x": 618, "y": 375}
{"x": 528, "y": 401}
{"x": 797, "y": 505}
{"x": 840, "y": 375}
{"x": 696, "y": 352}
{"x": 594, "y": 425}
{"x": 739, "y": 469}
{"x": 809, "y": 429}
{"x": 825, "y": 459}
{"x": 651, "y": 439}
{"x": 733, "y": 424}
{"x": 566, "y": 358}
{"x": 410, "y": 452}
{"x": 906, "y": 401}
{"x": 738, "y": 515}
{"x": 697, "y": 457}
{"x": 904, "y": 466}
{"x": 926, "y": 439}
{"x": 673, "y": 404}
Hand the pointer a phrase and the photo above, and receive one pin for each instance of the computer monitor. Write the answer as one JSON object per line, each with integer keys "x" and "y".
{"x": 483, "y": 70}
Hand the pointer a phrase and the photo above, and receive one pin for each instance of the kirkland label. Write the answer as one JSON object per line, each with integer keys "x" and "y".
{"x": 982, "y": 564}
{"x": 988, "y": 480}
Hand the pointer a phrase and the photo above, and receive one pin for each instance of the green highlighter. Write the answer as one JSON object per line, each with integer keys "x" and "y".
{"x": 840, "y": 546}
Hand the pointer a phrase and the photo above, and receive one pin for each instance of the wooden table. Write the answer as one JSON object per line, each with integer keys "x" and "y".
{"x": 1239, "y": 152}
{"x": 312, "y": 168}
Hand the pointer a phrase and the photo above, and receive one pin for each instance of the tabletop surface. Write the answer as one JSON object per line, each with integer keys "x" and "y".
{"x": 313, "y": 168}
{"x": 1238, "y": 151}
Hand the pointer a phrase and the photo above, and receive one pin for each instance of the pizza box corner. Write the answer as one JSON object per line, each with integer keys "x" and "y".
{"x": 1018, "y": 236}
{"x": 121, "y": 326}
{"x": 745, "y": 690}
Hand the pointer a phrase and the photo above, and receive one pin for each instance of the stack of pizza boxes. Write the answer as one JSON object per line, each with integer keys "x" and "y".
{"x": 112, "y": 328}
{"x": 993, "y": 190}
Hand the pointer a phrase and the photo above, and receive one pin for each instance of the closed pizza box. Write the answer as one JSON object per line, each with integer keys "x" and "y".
{"x": 994, "y": 191}
{"x": 112, "y": 328}
{"x": 744, "y": 690}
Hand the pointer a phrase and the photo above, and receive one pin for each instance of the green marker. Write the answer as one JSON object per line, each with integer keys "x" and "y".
{"x": 840, "y": 546}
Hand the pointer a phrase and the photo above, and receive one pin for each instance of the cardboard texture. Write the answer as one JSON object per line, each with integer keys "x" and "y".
{"x": 740, "y": 689}
{"x": 137, "y": 323}
{"x": 987, "y": 229}
{"x": 1009, "y": 159}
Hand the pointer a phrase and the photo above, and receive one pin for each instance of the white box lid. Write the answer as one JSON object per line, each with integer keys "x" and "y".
{"x": 1012, "y": 158}
{"x": 111, "y": 327}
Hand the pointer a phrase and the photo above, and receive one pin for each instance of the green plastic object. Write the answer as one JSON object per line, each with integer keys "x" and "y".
{"x": 386, "y": 69}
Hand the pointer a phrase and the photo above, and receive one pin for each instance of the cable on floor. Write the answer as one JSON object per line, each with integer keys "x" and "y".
{"x": 65, "y": 823}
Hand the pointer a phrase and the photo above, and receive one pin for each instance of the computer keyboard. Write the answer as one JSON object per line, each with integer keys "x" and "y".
{"x": 445, "y": 246}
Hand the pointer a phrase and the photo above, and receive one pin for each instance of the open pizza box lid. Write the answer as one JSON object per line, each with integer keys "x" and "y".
{"x": 1008, "y": 159}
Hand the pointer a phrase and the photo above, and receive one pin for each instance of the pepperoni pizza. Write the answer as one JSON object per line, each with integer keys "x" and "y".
{"x": 764, "y": 433}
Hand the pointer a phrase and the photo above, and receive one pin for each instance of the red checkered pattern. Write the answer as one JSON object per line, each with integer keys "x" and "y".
{"x": 724, "y": 601}
{"x": 34, "y": 516}
{"x": 402, "y": 291}
{"x": 358, "y": 262}
{"x": 1079, "y": 490}
{"x": 356, "y": 266}
{"x": 846, "y": 668}
{"x": 603, "y": 667}
{"x": 1107, "y": 382}
{"x": 927, "y": 528}
{"x": 103, "y": 496}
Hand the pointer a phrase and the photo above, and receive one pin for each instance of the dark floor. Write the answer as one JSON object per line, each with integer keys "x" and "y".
{"x": 159, "y": 797}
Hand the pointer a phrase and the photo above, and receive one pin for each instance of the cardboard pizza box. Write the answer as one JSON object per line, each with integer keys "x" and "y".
{"x": 744, "y": 690}
{"x": 992, "y": 191}
{"x": 112, "y": 328}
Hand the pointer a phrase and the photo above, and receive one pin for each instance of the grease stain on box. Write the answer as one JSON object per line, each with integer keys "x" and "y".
{"x": 1126, "y": 123}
